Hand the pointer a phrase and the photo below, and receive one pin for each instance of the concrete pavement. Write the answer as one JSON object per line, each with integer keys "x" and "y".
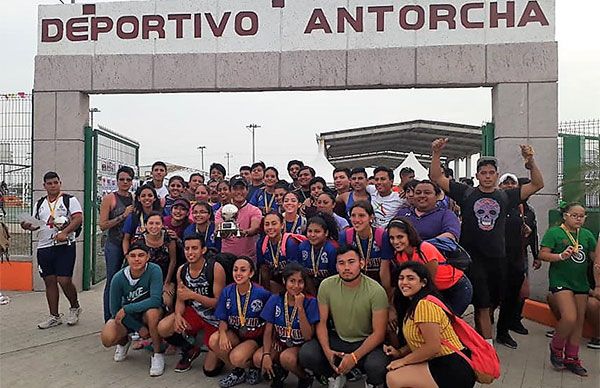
{"x": 73, "y": 356}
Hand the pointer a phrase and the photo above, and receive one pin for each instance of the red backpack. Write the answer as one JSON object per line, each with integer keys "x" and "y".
{"x": 484, "y": 359}
{"x": 378, "y": 232}
{"x": 298, "y": 237}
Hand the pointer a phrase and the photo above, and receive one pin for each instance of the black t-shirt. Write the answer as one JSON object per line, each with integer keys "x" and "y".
{"x": 484, "y": 218}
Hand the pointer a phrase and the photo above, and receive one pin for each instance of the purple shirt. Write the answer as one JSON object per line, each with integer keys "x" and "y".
{"x": 433, "y": 223}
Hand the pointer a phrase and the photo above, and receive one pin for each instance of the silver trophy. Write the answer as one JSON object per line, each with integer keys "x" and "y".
{"x": 229, "y": 226}
{"x": 60, "y": 223}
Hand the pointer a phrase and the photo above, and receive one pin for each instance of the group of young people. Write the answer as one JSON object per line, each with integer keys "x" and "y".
{"x": 333, "y": 284}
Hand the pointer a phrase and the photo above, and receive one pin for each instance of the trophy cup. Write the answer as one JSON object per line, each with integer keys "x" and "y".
{"x": 229, "y": 226}
{"x": 60, "y": 223}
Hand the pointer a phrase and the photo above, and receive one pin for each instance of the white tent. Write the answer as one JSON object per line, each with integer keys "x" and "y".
{"x": 320, "y": 163}
{"x": 412, "y": 162}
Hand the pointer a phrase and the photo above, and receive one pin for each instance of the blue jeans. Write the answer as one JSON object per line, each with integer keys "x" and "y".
{"x": 113, "y": 254}
{"x": 458, "y": 297}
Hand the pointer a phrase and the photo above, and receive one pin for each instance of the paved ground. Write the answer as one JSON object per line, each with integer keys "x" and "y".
{"x": 73, "y": 356}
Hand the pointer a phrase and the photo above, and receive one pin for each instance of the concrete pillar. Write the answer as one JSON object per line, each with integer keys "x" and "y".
{"x": 58, "y": 145}
{"x": 527, "y": 113}
{"x": 468, "y": 166}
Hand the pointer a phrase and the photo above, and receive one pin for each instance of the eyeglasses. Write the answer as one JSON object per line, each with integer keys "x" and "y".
{"x": 200, "y": 212}
{"x": 577, "y": 216}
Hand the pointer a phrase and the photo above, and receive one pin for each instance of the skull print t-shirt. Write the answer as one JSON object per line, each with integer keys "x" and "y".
{"x": 483, "y": 218}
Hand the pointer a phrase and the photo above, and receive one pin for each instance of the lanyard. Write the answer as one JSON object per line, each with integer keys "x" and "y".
{"x": 289, "y": 321}
{"x": 242, "y": 312}
{"x": 269, "y": 204}
{"x": 574, "y": 242}
{"x": 294, "y": 225}
{"x": 315, "y": 260}
{"x": 275, "y": 255}
{"x": 53, "y": 208}
{"x": 142, "y": 224}
{"x": 205, "y": 233}
{"x": 369, "y": 247}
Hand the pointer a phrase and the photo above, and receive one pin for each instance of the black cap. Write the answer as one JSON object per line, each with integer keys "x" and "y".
{"x": 237, "y": 180}
{"x": 138, "y": 245}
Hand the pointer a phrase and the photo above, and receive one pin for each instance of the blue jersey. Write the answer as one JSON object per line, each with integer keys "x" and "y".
{"x": 135, "y": 225}
{"x": 381, "y": 249}
{"x": 324, "y": 258}
{"x": 216, "y": 207}
{"x": 264, "y": 201}
{"x": 273, "y": 313}
{"x": 227, "y": 310}
{"x": 291, "y": 253}
{"x": 298, "y": 226}
{"x": 210, "y": 237}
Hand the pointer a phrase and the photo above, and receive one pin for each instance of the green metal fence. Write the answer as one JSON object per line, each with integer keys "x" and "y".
{"x": 105, "y": 152}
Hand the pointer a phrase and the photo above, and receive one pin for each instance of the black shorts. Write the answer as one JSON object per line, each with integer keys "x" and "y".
{"x": 488, "y": 277}
{"x": 57, "y": 260}
{"x": 452, "y": 371}
{"x": 554, "y": 290}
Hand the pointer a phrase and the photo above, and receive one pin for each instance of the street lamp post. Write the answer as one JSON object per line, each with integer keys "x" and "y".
{"x": 252, "y": 128}
{"x": 202, "y": 148}
{"x": 92, "y": 111}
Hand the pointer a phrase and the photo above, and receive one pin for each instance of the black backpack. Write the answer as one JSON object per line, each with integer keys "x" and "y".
{"x": 66, "y": 202}
{"x": 225, "y": 259}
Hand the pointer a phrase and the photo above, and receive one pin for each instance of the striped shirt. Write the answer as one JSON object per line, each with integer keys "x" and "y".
{"x": 429, "y": 312}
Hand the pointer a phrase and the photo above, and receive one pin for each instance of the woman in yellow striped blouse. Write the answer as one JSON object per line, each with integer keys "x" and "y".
{"x": 424, "y": 362}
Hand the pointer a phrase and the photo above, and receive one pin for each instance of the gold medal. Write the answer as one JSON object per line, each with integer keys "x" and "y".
{"x": 242, "y": 311}
{"x": 369, "y": 247}
{"x": 574, "y": 241}
{"x": 289, "y": 320}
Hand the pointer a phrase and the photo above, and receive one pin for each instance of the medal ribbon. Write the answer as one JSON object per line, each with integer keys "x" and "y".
{"x": 289, "y": 320}
{"x": 315, "y": 261}
{"x": 574, "y": 242}
{"x": 275, "y": 255}
{"x": 242, "y": 312}
{"x": 53, "y": 208}
{"x": 295, "y": 224}
{"x": 369, "y": 247}
{"x": 269, "y": 204}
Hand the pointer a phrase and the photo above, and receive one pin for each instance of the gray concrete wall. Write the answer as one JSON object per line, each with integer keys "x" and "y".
{"x": 523, "y": 77}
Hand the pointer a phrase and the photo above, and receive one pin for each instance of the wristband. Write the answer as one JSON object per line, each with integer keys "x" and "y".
{"x": 354, "y": 358}
{"x": 560, "y": 256}
{"x": 266, "y": 354}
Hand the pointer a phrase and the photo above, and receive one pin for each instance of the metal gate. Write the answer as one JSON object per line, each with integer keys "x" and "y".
{"x": 105, "y": 152}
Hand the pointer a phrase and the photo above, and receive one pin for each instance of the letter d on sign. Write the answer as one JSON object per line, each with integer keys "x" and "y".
{"x": 47, "y": 31}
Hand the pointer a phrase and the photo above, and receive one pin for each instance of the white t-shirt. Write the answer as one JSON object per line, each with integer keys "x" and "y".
{"x": 385, "y": 207}
{"x": 46, "y": 233}
{"x": 162, "y": 191}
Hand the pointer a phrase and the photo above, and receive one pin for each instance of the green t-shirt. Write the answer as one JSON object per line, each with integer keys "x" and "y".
{"x": 351, "y": 308}
{"x": 571, "y": 273}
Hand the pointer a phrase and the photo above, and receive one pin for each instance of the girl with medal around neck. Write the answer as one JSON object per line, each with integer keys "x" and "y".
{"x": 318, "y": 254}
{"x": 294, "y": 222}
{"x": 264, "y": 198}
{"x": 377, "y": 252}
{"x": 569, "y": 248}
{"x": 240, "y": 325}
{"x": 224, "y": 190}
{"x": 176, "y": 187}
{"x": 270, "y": 256}
{"x": 291, "y": 317}
{"x": 145, "y": 202}
{"x": 203, "y": 225}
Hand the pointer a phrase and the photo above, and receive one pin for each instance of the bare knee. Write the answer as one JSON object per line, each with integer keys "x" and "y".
{"x": 257, "y": 358}
{"x": 288, "y": 360}
{"x": 152, "y": 316}
{"x": 213, "y": 342}
{"x": 109, "y": 335}
{"x": 165, "y": 326}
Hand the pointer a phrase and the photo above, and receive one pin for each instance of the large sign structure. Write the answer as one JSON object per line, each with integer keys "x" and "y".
{"x": 255, "y": 45}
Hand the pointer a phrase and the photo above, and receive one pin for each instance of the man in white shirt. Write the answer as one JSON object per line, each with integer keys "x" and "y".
{"x": 385, "y": 201}
{"x": 159, "y": 171}
{"x": 56, "y": 247}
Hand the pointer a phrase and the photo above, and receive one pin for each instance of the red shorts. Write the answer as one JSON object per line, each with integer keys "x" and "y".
{"x": 197, "y": 323}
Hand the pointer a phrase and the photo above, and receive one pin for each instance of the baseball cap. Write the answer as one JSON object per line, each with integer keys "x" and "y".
{"x": 138, "y": 245}
{"x": 507, "y": 176}
{"x": 487, "y": 160}
{"x": 182, "y": 202}
{"x": 238, "y": 180}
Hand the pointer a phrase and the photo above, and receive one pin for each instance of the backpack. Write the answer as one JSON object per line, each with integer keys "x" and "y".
{"x": 66, "y": 202}
{"x": 454, "y": 253}
{"x": 484, "y": 359}
{"x": 297, "y": 237}
{"x": 349, "y": 238}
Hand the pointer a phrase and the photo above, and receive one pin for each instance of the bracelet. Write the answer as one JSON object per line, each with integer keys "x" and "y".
{"x": 354, "y": 358}
{"x": 266, "y": 354}
{"x": 560, "y": 256}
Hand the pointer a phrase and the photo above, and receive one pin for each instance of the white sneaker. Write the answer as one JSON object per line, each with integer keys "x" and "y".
{"x": 51, "y": 321}
{"x": 157, "y": 364}
{"x": 73, "y": 316}
{"x": 337, "y": 382}
{"x": 121, "y": 352}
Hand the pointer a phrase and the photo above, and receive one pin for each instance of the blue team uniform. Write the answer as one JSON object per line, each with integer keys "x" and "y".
{"x": 273, "y": 313}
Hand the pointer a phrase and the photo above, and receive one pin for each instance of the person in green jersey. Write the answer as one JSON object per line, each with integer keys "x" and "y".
{"x": 570, "y": 250}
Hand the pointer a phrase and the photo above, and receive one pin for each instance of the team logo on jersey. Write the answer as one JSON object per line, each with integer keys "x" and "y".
{"x": 305, "y": 255}
{"x": 256, "y": 305}
{"x": 277, "y": 311}
{"x": 579, "y": 256}
{"x": 487, "y": 211}
{"x": 228, "y": 303}
{"x": 324, "y": 258}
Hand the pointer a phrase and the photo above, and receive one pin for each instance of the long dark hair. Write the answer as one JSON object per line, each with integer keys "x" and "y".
{"x": 405, "y": 307}
{"x": 327, "y": 222}
{"x": 138, "y": 205}
{"x": 290, "y": 269}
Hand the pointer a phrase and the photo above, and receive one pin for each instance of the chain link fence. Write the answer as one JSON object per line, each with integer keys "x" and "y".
{"x": 15, "y": 166}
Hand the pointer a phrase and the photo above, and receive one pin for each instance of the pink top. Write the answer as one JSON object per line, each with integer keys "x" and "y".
{"x": 241, "y": 246}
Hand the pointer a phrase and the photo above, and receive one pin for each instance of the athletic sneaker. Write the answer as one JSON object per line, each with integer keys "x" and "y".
{"x": 235, "y": 377}
{"x": 305, "y": 382}
{"x": 594, "y": 343}
{"x": 556, "y": 359}
{"x": 73, "y": 316}
{"x": 121, "y": 352}
{"x": 367, "y": 385}
{"x": 185, "y": 363}
{"x": 550, "y": 334}
{"x": 337, "y": 382}
{"x": 506, "y": 340}
{"x": 157, "y": 364}
{"x": 574, "y": 365}
{"x": 355, "y": 374}
{"x": 253, "y": 376}
{"x": 51, "y": 321}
